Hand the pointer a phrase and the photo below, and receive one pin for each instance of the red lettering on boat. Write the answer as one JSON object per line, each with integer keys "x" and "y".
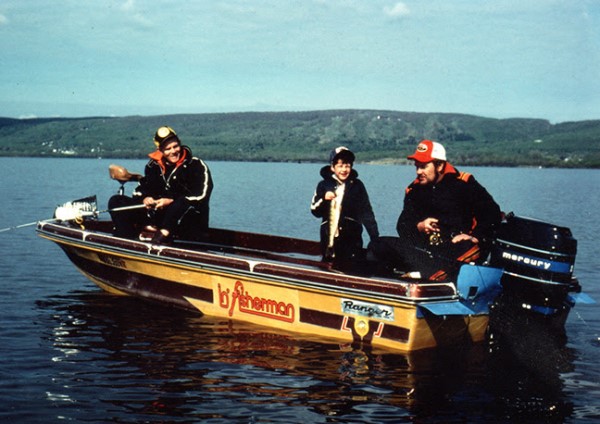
{"x": 248, "y": 304}
{"x": 344, "y": 326}
{"x": 223, "y": 297}
{"x": 379, "y": 330}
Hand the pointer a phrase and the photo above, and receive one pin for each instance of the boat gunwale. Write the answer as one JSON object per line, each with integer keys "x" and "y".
{"x": 329, "y": 280}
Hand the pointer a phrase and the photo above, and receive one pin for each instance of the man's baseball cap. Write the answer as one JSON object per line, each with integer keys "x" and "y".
{"x": 428, "y": 151}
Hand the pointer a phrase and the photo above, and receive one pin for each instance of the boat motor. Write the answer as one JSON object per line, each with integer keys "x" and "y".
{"x": 538, "y": 260}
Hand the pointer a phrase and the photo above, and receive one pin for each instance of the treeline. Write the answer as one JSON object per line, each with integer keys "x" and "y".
{"x": 379, "y": 136}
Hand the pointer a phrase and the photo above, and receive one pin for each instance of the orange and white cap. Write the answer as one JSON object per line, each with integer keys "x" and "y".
{"x": 428, "y": 151}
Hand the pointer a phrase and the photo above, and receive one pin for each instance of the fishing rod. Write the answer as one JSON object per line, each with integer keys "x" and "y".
{"x": 16, "y": 227}
{"x": 122, "y": 208}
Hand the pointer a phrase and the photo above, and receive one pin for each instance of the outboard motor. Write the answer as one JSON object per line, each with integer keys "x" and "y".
{"x": 538, "y": 260}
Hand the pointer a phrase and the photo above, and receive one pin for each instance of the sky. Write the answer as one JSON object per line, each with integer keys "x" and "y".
{"x": 498, "y": 59}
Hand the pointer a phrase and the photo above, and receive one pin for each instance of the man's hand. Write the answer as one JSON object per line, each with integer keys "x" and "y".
{"x": 149, "y": 202}
{"x": 463, "y": 237}
{"x": 162, "y": 203}
{"x": 428, "y": 226}
{"x": 152, "y": 203}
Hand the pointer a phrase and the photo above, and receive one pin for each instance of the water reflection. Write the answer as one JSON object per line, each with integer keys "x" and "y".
{"x": 134, "y": 361}
{"x": 528, "y": 361}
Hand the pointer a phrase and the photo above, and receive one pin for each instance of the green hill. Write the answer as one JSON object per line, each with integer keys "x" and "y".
{"x": 381, "y": 136}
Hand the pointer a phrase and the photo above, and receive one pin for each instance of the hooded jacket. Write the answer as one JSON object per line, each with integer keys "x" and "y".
{"x": 356, "y": 210}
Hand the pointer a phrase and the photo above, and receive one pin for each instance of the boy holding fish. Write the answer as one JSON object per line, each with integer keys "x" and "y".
{"x": 342, "y": 202}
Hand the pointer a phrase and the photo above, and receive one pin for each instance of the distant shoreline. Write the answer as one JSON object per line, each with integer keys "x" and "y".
{"x": 381, "y": 162}
{"x": 376, "y": 137}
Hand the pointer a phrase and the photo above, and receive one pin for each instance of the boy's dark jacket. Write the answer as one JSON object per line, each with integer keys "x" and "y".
{"x": 356, "y": 211}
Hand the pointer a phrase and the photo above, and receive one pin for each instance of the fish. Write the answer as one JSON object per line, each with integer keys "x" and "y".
{"x": 335, "y": 211}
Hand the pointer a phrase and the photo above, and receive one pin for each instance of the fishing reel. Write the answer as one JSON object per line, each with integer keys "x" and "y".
{"x": 435, "y": 239}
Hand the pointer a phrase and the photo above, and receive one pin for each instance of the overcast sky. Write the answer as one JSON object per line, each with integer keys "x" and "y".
{"x": 499, "y": 58}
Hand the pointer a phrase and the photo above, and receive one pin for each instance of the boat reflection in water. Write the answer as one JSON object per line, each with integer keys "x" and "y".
{"x": 152, "y": 362}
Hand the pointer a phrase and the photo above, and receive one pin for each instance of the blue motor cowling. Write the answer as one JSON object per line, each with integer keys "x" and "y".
{"x": 538, "y": 260}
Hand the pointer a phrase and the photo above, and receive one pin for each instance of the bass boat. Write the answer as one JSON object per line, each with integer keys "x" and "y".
{"x": 283, "y": 283}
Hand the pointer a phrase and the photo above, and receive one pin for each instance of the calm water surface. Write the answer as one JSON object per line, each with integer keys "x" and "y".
{"x": 70, "y": 352}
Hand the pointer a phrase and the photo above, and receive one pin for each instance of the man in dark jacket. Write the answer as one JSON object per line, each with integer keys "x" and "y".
{"x": 342, "y": 202}
{"x": 447, "y": 219}
{"x": 176, "y": 187}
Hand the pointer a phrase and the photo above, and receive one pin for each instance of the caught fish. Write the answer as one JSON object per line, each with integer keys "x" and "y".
{"x": 335, "y": 211}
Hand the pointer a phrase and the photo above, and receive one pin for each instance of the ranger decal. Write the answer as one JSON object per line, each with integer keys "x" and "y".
{"x": 366, "y": 309}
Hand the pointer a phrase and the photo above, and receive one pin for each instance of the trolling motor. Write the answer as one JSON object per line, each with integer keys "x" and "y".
{"x": 78, "y": 210}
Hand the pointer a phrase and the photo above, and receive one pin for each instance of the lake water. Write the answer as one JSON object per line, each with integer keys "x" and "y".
{"x": 72, "y": 353}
